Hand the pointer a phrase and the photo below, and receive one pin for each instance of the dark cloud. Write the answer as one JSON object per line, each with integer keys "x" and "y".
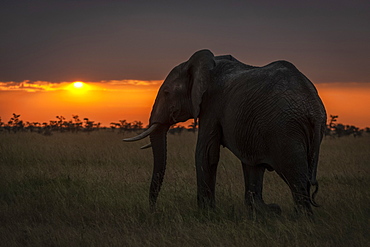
{"x": 113, "y": 40}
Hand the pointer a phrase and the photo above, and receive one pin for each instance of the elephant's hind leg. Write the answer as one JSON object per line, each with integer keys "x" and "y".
{"x": 296, "y": 176}
{"x": 253, "y": 178}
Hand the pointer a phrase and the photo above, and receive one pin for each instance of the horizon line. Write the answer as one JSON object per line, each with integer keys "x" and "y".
{"x": 111, "y": 122}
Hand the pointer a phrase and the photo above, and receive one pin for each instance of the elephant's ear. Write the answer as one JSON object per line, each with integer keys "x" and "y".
{"x": 199, "y": 67}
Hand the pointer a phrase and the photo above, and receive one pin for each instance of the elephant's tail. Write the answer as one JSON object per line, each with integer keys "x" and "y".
{"x": 313, "y": 162}
{"x": 312, "y": 197}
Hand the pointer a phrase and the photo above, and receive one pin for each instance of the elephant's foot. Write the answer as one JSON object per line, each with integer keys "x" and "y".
{"x": 206, "y": 202}
{"x": 258, "y": 207}
{"x": 303, "y": 211}
{"x": 273, "y": 208}
{"x": 302, "y": 206}
{"x": 263, "y": 209}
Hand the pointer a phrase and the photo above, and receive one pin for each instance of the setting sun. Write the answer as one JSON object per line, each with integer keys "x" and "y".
{"x": 78, "y": 84}
{"x": 78, "y": 87}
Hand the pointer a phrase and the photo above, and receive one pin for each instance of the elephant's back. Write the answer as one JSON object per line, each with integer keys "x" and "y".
{"x": 268, "y": 106}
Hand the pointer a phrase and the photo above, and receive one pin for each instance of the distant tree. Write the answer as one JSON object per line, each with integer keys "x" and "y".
{"x": 77, "y": 125}
{"x": 30, "y": 126}
{"x": 333, "y": 119}
{"x": 176, "y": 129}
{"x": 358, "y": 132}
{"x": 137, "y": 125}
{"x": 339, "y": 130}
{"x": 35, "y": 127}
{"x": 60, "y": 121}
{"x": 331, "y": 125}
{"x": 124, "y": 125}
{"x": 53, "y": 125}
{"x": 114, "y": 125}
{"x": 89, "y": 125}
{"x": 46, "y": 129}
{"x": 2, "y": 124}
{"x": 15, "y": 123}
{"x": 97, "y": 126}
{"x": 346, "y": 130}
{"x": 193, "y": 126}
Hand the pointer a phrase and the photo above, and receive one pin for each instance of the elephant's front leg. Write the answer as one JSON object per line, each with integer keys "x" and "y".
{"x": 253, "y": 177}
{"x": 207, "y": 157}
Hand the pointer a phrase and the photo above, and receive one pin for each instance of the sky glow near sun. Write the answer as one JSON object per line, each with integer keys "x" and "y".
{"x": 78, "y": 84}
{"x": 109, "y": 85}
{"x": 110, "y": 101}
{"x": 104, "y": 101}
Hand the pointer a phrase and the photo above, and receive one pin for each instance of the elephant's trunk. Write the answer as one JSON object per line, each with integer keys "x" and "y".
{"x": 158, "y": 140}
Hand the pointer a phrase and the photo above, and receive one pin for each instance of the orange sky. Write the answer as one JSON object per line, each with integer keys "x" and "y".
{"x": 110, "y": 101}
{"x": 103, "y": 102}
{"x": 350, "y": 101}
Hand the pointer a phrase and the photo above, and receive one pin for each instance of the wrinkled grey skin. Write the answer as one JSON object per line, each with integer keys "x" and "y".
{"x": 270, "y": 117}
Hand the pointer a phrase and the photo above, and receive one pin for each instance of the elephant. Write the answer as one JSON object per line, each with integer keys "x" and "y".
{"x": 269, "y": 117}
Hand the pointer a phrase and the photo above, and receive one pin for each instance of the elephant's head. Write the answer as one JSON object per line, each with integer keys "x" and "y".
{"x": 178, "y": 100}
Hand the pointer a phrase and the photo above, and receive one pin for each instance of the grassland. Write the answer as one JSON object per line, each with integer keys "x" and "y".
{"x": 92, "y": 190}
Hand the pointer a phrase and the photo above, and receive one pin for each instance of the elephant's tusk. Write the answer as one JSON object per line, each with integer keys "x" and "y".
{"x": 149, "y": 145}
{"x": 142, "y": 135}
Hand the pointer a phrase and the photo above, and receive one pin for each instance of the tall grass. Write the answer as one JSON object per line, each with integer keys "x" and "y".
{"x": 92, "y": 190}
